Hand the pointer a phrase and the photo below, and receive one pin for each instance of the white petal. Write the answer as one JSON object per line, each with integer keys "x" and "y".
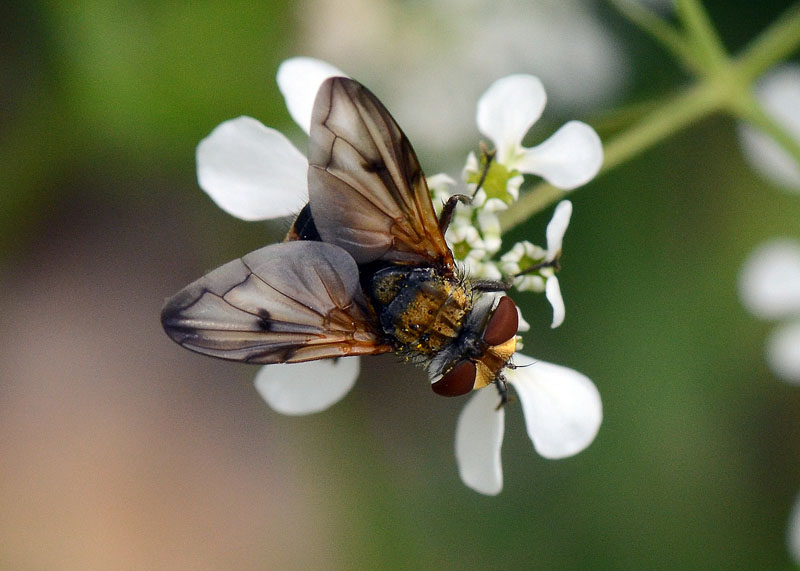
{"x": 479, "y": 435}
{"x": 779, "y": 93}
{"x": 251, "y": 171}
{"x": 299, "y": 79}
{"x": 441, "y": 181}
{"x": 562, "y": 407}
{"x": 793, "y": 532}
{"x": 557, "y": 227}
{"x": 508, "y": 109}
{"x": 487, "y": 271}
{"x": 767, "y": 156}
{"x": 783, "y": 352}
{"x": 552, "y": 291}
{"x": 304, "y": 388}
{"x": 523, "y": 325}
{"x": 769, "y": 281}
{"x": 569, "y": 158}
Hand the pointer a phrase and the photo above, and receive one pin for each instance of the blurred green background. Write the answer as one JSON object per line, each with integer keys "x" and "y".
{"x": 121, "y": 450}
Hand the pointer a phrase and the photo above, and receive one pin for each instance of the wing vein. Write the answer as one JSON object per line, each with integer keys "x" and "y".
{"x": 273, "y": 288}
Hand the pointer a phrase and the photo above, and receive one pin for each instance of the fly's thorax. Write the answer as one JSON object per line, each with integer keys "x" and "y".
{"x": 421, "y": 310}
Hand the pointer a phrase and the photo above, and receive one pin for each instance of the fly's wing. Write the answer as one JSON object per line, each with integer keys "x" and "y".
{"x": 285, "y": 303}
{"x": 366, "y": 188}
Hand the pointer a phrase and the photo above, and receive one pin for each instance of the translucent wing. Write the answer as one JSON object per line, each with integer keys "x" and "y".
{"x": 366, "y": 188}
{"x": 286, "y": 303}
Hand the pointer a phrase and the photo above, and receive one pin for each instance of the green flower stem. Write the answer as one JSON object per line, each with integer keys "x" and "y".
{"x": 663, "y": 32}
{"x": 685, "y": 109}
{"x": 705, "y": 41}
{"x": 776, "y": 43}
{"x": 726, "y": 88}
{"x": 537, "y": 199}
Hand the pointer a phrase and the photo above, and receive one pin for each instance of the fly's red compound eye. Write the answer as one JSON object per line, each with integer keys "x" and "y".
{"x": 457, "y": 381}
{"x": 503, "y": 323}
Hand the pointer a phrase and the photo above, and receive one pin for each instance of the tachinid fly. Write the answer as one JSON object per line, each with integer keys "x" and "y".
{"x": 364, "y": 270}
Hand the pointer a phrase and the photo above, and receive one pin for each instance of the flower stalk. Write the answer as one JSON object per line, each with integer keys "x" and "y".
{"x": 723, "y": 85}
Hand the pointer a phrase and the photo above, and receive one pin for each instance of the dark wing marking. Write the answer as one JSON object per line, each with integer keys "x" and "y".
{"x": 286, "y": 303}
{"x": 366, "y": 188}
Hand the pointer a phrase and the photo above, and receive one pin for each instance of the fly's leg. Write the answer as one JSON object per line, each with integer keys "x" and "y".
{"x": 450, "y": 205}
{"x": 507, "y": 282}
{"x": 502, "y": 389}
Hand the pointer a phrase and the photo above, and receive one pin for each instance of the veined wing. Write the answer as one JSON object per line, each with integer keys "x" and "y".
{"x": 366, "y": 188}
{"x": 285, "y": 303}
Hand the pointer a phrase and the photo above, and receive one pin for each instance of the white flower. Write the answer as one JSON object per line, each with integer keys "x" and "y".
{"x": 769, "y": 286}
{"x": 544, "y": 279}
{"x": 474, "y": 233}
{"x": 469, "y": 248}
{"x": 481, "y": 200}
{"x": 299, "y": 79}
{"x": 572, "y": 156}
{"x": 779, "y": 94}
{"x": 522, "y": 254}
{"x": 439, "y": 186}
{"x": 562, "y": 410}
{"x": 253, "y": 172}
{"x": 555, "y": 235}
{"x": 297, "y": 389}
{"x": 489, "y": 225}
{"x": 522, "y": 326}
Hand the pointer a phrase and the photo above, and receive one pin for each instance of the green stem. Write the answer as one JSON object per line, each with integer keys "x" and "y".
{"x": 780, "y": 40}
{"x": 706, "y": 43}
{"x": 537, "y": 199}
{"x": 688, "y": 107}
{"x": 664, "y": 33}
{"x": 776, "y": 43}
{"x": 726, "y": 87}
{"x": 685, "y": 109}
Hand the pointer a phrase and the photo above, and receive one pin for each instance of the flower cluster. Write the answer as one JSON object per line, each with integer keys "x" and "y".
{"x": 769, "y": 285}
{"x": 253, "y": 172}
{"x": 769, "y": 280}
